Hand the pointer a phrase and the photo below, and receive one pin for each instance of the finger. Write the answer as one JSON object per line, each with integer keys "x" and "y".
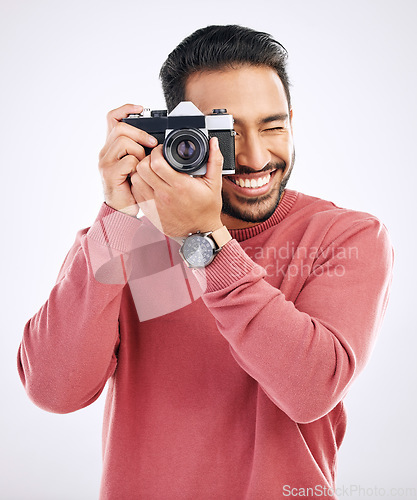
{"x": 123, "y": 146}
{"x": 140, "y": 189}
{"x": 146, "y": 172}
{"x": 125, "y": 130}
{"x": 215, "y": 161}
{"x": 115, "y": 115}
{"x": 115, "y": 181}
{"x": 125, "y": 167}
{"x": 163, "y": 169}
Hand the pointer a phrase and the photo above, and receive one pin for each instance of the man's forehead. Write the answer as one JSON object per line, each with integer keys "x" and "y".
{"x": 244, "y": 91}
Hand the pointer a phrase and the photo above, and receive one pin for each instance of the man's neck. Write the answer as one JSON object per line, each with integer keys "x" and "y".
{"x": 233, "y": 223}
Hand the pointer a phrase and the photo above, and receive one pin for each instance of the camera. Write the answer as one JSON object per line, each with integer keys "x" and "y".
{"x": 185, "y": 134}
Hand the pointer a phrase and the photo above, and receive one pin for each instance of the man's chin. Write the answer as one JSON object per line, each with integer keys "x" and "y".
{"x": 257, "y": 209}
{"x": 253, "y": 210}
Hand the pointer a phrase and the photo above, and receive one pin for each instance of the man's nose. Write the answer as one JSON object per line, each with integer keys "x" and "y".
{"x": 251, "y": 153}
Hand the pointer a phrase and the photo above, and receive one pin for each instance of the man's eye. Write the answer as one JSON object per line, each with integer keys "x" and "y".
{"x": 273, "y": 129}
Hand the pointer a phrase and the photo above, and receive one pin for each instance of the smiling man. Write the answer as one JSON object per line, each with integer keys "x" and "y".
{"x": 226, "y": 376}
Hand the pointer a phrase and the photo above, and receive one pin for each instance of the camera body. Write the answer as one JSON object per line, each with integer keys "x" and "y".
{"x": 185, "y": 134}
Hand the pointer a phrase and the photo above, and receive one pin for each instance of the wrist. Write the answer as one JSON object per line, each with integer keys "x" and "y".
{"x": 199, "y": 249}
{"x": 211, "y": 226}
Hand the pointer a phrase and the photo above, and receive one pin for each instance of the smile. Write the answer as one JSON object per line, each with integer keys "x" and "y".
{"x": 251, "y": 183}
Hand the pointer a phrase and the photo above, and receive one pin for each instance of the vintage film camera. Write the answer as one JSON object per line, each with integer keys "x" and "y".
{"x": 185, "y": 135}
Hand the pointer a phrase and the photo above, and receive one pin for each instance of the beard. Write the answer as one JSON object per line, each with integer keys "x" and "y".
{"x": 259, "y": 209}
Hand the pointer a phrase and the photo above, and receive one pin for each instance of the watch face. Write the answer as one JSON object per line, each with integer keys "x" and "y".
{"x": 198, "y": 251}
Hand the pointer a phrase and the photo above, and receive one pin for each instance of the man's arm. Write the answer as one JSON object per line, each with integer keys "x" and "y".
{"x": 305, "y": 353}
{"x": 69, "y": 347}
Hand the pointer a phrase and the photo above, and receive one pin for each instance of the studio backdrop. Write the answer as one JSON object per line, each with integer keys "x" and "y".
{"x": 64, "y": 65}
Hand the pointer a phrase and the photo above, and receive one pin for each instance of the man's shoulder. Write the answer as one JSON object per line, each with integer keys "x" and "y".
{"x": 313, "y": 207}
{"x": 332, "y": 220}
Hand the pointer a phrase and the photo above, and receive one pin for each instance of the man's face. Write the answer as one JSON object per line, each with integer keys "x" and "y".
{"x": 264, "y": 153}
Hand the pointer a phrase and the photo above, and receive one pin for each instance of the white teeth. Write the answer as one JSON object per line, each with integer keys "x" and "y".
{"x": 251, "y": 183}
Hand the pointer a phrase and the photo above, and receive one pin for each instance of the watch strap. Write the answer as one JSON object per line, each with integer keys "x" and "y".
{"x": 220, "y": 236}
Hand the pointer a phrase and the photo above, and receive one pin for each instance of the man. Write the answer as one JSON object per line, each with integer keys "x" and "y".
{"x": 225, "y": 381}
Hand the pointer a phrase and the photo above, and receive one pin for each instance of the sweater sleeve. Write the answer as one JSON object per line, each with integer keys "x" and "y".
{"x": 306, "y": 352}
{"x": 68, "y": 350}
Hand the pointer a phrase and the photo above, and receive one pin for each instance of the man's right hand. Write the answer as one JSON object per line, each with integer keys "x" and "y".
{"x": 123, "y": 150}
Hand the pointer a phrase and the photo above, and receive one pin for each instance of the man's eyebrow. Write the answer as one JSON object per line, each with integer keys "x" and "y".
{"x": 279, "y": 117}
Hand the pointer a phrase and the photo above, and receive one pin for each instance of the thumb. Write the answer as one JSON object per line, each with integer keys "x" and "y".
{"x": 215, "y": 161}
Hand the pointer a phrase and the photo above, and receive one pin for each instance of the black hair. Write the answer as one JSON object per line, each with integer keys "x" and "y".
{"x": 216, "y": 48}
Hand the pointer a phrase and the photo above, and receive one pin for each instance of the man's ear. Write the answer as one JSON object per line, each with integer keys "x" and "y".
{"x": 292, "y": 132}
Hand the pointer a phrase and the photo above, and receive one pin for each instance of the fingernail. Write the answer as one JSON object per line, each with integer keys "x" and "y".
{"x": 216, "y": 143}
{"x": 153, "y": 141}
{"x": 137, "y": 107}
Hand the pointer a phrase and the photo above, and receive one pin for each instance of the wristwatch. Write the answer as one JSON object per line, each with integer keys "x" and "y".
{"x": 199, "y": 249}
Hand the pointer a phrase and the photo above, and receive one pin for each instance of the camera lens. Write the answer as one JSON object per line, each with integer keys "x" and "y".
{"x": 186, "y": 150}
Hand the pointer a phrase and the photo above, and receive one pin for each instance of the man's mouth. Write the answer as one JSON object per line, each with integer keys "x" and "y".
{"x": 256, "y": 183}
{"x": 251, "y": 182}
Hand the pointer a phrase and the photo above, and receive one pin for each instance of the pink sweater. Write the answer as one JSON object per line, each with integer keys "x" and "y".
{"x": 234, "y": 393}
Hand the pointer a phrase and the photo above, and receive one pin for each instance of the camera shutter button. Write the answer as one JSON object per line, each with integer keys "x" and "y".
{"x": 219, "y": 111}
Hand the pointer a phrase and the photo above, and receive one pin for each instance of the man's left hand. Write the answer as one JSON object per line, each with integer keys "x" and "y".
{"x": 176, "y": 203}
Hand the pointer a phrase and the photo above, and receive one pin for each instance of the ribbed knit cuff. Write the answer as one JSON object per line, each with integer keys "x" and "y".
{"x": 229, "y": 266}
{"x": 114, "y": 229}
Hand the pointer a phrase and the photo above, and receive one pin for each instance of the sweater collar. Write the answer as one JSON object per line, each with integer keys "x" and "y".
{"x": 284, "y": 206}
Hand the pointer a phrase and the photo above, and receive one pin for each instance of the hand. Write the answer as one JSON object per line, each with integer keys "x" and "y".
{"x": 176, "y": 203}
{"x": 120, "y": 156}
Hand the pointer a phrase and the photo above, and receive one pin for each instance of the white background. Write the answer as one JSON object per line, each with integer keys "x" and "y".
{"x": 65, "y": 64}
